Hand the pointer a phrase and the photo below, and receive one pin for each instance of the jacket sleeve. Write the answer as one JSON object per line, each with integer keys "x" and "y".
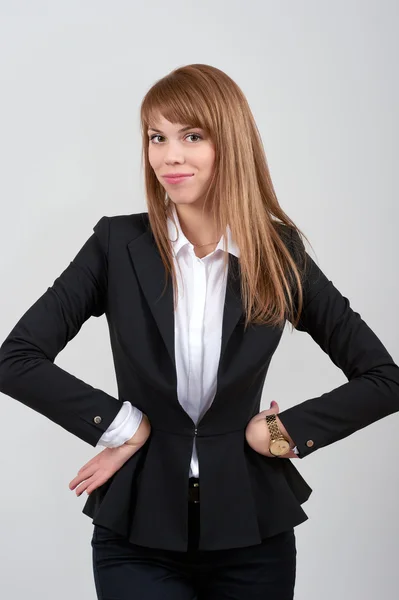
{"x": 27, "y": 370}
{"x": 372, "y": 390}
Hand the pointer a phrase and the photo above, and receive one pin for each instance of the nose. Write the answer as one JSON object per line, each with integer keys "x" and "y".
{"x": 173, "y": 154}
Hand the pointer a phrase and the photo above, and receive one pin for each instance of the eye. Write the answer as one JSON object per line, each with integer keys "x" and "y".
{"x": 194, "y": 135}
{"x": 154, "y": 136}
{"x": 157, "y": 135}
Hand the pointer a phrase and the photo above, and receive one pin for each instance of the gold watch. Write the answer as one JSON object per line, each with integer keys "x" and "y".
{"x": 278, "y": 443}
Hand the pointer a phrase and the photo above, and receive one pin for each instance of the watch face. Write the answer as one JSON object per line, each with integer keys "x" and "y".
{"x": 279, "y": 447}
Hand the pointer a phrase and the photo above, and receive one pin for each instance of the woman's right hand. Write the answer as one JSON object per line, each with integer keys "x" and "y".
{"x": 102, "y": 466}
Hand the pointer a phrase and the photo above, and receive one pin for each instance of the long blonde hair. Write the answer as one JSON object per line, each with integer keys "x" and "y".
{"x": 240, "y": 192}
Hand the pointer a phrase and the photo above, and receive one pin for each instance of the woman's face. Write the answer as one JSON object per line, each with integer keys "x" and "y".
{"x": 174, "y": 151}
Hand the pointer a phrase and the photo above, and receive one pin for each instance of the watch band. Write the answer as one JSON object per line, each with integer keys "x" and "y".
{"x": 278, "y": 441}
{"x": 275, "y": 433}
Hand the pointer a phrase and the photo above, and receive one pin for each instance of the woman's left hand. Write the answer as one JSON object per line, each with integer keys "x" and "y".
{"x": 258, "y": 436}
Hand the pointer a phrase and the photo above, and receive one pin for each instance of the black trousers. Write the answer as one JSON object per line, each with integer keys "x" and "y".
{"x": 125, "y": 571}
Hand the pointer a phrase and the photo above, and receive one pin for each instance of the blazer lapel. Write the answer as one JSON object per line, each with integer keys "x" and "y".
{"x": 150, "y": 273}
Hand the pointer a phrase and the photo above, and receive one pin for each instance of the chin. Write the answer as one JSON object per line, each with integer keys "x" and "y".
{"x": 185, "y": 200}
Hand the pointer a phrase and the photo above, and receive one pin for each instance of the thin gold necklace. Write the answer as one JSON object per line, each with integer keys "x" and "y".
{"x": 201, "y": 245}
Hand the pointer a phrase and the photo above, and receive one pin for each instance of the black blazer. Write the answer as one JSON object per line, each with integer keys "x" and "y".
{"x": 245, "y": 496}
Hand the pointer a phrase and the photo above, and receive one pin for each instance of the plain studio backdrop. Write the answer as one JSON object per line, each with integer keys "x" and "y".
{"x": 322, "y": 81}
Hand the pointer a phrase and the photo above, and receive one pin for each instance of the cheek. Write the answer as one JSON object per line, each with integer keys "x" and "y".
{"x": 211, "y": 159}
{"x": 153, "y": 158}
{"x": 207, "y": 161}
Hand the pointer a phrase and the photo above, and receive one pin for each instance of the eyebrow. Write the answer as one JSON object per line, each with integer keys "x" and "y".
{"x": 180, "y": 130}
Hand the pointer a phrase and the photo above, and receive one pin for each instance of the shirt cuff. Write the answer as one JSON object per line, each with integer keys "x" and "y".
{"x": 123, "y": 427}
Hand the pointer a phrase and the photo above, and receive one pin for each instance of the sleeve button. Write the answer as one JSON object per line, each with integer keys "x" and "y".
{"x": 310, "y": 443}
{"x": 97, "y": 419}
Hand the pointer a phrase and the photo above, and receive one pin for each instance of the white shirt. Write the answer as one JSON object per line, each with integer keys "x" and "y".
{"x": 198, "y": 331}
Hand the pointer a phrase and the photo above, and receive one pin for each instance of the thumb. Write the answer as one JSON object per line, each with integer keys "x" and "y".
{"x": 274, "y": 408}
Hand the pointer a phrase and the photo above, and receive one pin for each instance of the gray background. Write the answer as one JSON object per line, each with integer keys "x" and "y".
{"x": 322, "y": 81}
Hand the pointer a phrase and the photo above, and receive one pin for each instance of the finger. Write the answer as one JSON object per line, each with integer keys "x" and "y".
{"x": 97, "y": 483}
{"x": 92, "y": 461}
{"x": 274, "y": 410}
{"x": 86, "y": 484}
{"x": 78, "y": 479}
{"x": 93, "y": 483}
{"x": 81, "y": 477}
{"x": 100, "y": 476}
{"x": 89, "y": 464}
{"x": 81, "y": 488}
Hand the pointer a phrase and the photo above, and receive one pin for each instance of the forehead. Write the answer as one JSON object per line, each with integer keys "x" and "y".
{"x": 159, "y": 120}
{"x": 170, "y": 127}
{"x": 160, "y": 123}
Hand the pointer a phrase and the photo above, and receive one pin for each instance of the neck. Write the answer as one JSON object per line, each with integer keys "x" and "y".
{"x": 198, "y": 227}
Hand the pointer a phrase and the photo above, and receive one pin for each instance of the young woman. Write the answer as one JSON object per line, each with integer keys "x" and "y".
{"x": 193, "y": 495}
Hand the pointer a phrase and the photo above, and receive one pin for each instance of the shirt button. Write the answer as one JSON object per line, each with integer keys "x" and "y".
{"x": 310, "y": 443}
{"x": 97, "y": 419}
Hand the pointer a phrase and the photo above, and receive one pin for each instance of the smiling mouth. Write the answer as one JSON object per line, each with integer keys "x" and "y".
{"x": 176, "y": 178}
{"x": 179, "y": 175}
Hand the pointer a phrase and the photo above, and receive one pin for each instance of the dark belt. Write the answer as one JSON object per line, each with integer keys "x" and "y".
{"x": 193, "y": 490}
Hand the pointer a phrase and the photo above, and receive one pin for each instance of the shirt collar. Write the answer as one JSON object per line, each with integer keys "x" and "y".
{"x": 178, "y": 239}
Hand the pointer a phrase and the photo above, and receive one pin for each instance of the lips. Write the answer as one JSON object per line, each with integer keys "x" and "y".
{"x": 171, "y": 175}
{"x": 176, "y": 178}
